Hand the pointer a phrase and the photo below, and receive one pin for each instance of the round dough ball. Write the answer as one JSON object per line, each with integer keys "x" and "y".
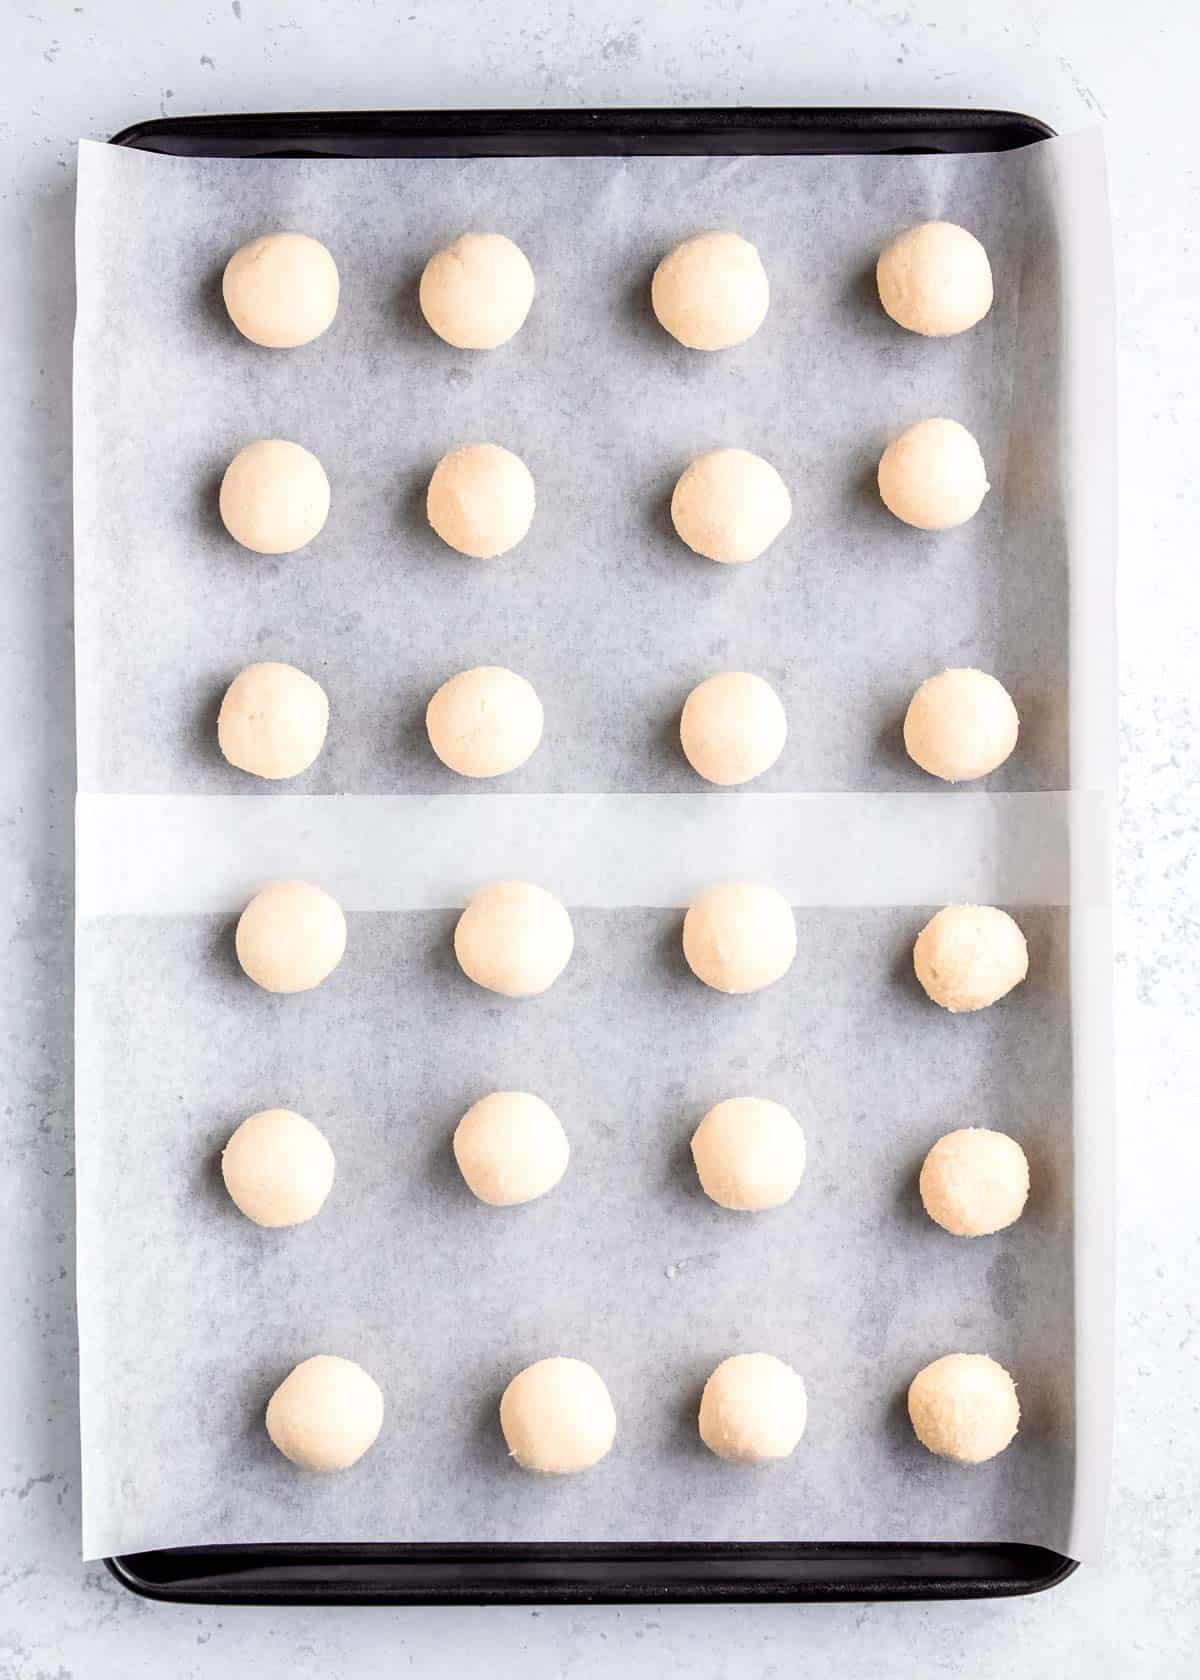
{"x": 291, "y": 936}
{"x": 969, "y": 955}
{"x": 281, "y": 290}
{"x": 960, "y": 725}
{"x": 476, "y": 293}
{"x": 274, "y": 497}
{"x": 278, "y": 1168}
{"x": 739, "y": 937}
{"x": 730, "y": 506}
{"x": 753, "y": 1409}
{"x": 558, "y": 1417}
{"x": 510, "y": 1148}
{"x": 711, "y": 292}
{"x": 272, "y": 721}
{"x": 935, "y": 279}
{"x": 325, "y": 1414}
{"x": 974, "y": 1182}
{"x": 932, "y": 476}
{"x": 484, "y": 722}
{"x": 733, "y": 728}
{"x": 514, "y": 938}
{"x": 481, "y": 500}
{"x": 964, "y": 1407}
{"x": 749, "y": 1153}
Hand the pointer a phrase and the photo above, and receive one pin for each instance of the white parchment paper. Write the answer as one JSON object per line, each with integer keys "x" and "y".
{"x": 189, "y": 1315}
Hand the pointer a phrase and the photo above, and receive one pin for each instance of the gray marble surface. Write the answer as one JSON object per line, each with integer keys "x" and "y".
{"x": 87, "y": 70}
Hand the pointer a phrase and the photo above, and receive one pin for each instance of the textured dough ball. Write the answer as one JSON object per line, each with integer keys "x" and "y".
{"x": 974, "y": 1182}
{"x": 291, "y": 936}
{"x": 278, "y": 1168}
{"x": 964, "y": 1407}
{"x": 711, "y": 292}
{"x": 481, "y": 500}
{"x": 733, "y": 728}
{"x": 753, "y": 1409}
{"x": 969, "y": 955}
{"x": 557, "y": 1417}
{"x": 960, "y": 725}
{"x": 476, "y": 293}
{"x": 932, "y": 476}
{"x": 272, "y": 721}
{"x": 730, "y": 506}
{"x": 739, "y": 937}
{"x": 510, "y": 1148}
{"x": 274, "y": 497}
{"x": 749, "y": 1154}
{"x": 484, "y": 722}
{"x": 325, "y": 1414}
{"x": 935, "y": 279}
{"x": 281, "y": 290}
{"x": 514, "y": 938}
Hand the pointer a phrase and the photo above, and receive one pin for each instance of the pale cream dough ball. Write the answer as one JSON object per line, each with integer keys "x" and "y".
{"x": 960, "y": 725}
{"x": 274, "y": 497}
{"x": 558, "y": 1417}
{"x": 485, "y": 722}
{"x": 753, "y": 1409}
{"x": 932, "y": 476}
{"x": 730, "y": 506}
{"x": 969, "y": 956}
{"x": 510, "y": 1148}
{"x": 281, "y": 290}
{"x": 733, "y": 728}
{"x": 514, "y": 938}
{"x": 272, "y": 721}
{"x": 326, "y": 1413}
{"x": 476, "y": 293}
{"x": 974, "y": 1182}
{"x": 711, "y": 292}
{"x": 278, "y": 1168}
{"x": 739, "y": 937}
{"x": 749, "y": 1154}
{"x": 964, "y": 1407}
{"x": 291, "y": 936}
{"x": 481, "y": 500}
{"x": 935, "y": 279}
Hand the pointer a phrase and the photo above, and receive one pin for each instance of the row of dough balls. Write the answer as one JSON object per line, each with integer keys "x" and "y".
{"x": 488, "y": 721}
{"x": 557, "y": 1416}
{"x": 710, "y": 293}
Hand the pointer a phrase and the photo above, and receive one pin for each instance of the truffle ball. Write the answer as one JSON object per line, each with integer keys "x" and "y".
{"x": 291, "y": 936}
{"x": 476, "y": 293}
{"x": 484, "y": 722}
{"x": 711, "y": 292}
{"x": 753, "y": 1409}
{"x": 733, "y": 728}
{"x": 481, "y": 500}
{"x": 510, "y": 1148}
{"x": 281, "y": 290}
{"x": 278, "y": 1168}
{"x": 749, "y": 1154}
{"x": 932, "y": 476}
{"x": 935, "y": 279}
{"x": 325, "y": 1414}
{"x": 974, "y": 1182}
{"x": 960, "y": 725}
{"x": 730, "y": 506}
{"x": 274, "y": 497}
{"x": 964, "y": 1407}
{"x": 272, "y": 721}
{"x": 739, "y": 937}
{"x": 514, "y": 938}
{"x": 557, "y": 1417}
{"x": 969, "y": 955}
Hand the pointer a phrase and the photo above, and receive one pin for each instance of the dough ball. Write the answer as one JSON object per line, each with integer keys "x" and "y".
{"x": 481, "y": 500}
{"x": 272, "y": 721}
{"x": 476, "y": 293}
{"x": 278, "y": 1168}
{"x": 730, "y": 506}
{"x": 935, "y": 279}
{"x": 733, "y": 728}
{"x": 969, "y": 955}
{"x": 974, "y": 1182}
{"x": 753, "y": 1409}
{"x": 960, "y": 725}
{"x": 281, "y": 290}
{"x": 325, "y": 1414}
{"x": 484, "y": 722}
{"x": 514, "y": 938}
{"x": 291, "y": 936}
{"x": 274, "y": 497}
{"x": 510, "y": 1148}
{"x": 557, "y": 1417}
{"x": 964, "y": 1407}
{"x": 749, "y": 1153}
{"x": 932, "y": 476}
{"x": 739, "y": 937}
{"x": 711, "y": 292}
